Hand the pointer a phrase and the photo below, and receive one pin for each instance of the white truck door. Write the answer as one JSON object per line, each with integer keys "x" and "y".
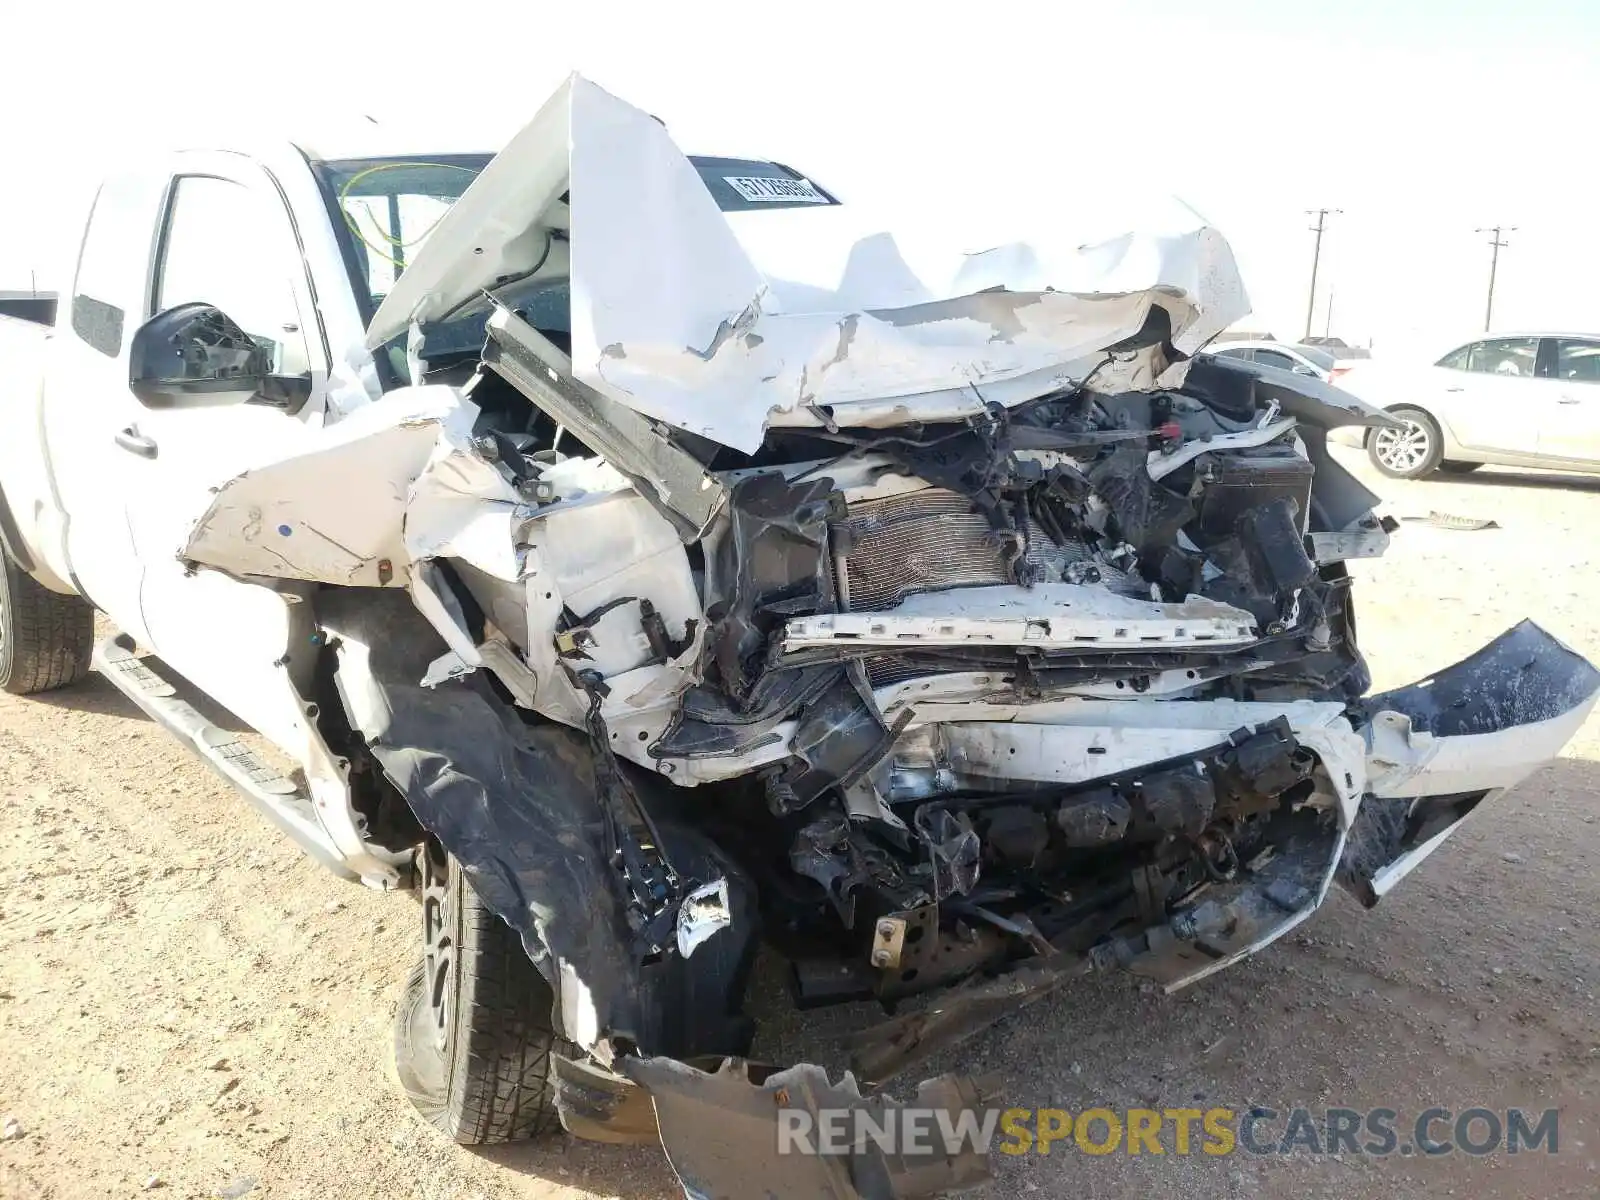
{"x": 226, "y": 239}
{"x": 99, "y": 454}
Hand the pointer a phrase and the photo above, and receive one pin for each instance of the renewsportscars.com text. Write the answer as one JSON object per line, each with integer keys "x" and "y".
{"x": 1379, "y": 1132}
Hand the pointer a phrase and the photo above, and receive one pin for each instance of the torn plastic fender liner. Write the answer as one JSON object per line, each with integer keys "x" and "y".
{"x": 729, "y": 1138}
{"x": 1438, "y": 748}
{"x": 515, "y": 811}
{"x": 517, "y": 806}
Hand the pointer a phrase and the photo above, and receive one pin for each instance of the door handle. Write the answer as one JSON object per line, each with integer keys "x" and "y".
{"x": 132, "y": 440}
{"x": 1457, "y": 388}
{"x": 1568, "y": 400}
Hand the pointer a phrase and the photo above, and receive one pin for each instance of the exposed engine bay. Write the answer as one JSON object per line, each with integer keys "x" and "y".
{"x": 978, "y": 689}
{"x": 966, "y": 690}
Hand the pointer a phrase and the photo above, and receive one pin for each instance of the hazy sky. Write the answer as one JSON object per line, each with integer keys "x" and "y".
{"x": 1421, "y": 119}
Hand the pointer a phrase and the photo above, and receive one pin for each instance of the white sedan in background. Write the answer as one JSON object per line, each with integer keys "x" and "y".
{"x": 1519, "y": 400}
{"x": 1287, "y": 356}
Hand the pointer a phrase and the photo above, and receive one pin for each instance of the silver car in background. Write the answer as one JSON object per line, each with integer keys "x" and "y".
{"x": 1312, "y": 361}
{"x": 1518, "y": 400}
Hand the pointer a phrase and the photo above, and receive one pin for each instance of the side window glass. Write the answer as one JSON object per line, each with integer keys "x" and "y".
{"x": 1456, "y": 360}
{"x": 1504, "y": 356}
{"x": 108, "y": 292}
{"x": 222, "y": 248}
{"x": 1577, "y": 361}
{"x": 1273, "y": 358}
{"x": 1243, "y": 352}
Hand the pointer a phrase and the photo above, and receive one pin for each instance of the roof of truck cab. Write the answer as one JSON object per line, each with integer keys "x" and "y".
{"x": 338, "y": 150}
{"x": 359, "y": 137}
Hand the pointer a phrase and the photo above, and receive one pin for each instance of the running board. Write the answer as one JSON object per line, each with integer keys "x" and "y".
{"x": 279, "y": 799}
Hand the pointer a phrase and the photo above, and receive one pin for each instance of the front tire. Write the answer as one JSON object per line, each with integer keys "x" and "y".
{"x": 1410, "y": 453}
{"x": 45, "y": 637}
{"x": 475, "y": 1035}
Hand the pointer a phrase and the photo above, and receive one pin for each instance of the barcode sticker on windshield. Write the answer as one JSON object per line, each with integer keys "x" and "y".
{"x": 762, "y": 189}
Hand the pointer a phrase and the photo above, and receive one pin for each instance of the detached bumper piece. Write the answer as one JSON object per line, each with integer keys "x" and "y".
{"x": 729, "y": 1137}
{"x": 1440, "y": 747}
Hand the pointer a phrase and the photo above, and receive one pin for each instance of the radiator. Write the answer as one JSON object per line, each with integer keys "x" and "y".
{"x": 929, "y": 541}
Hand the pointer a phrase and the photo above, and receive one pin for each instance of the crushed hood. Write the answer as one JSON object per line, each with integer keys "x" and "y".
{"x": 722, "y": 323}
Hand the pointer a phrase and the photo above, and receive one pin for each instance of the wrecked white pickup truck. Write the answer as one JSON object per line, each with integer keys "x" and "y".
{"x": 654, "y": 563}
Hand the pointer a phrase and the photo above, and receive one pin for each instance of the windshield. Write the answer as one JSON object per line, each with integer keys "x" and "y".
{"x": 385, "y": 208}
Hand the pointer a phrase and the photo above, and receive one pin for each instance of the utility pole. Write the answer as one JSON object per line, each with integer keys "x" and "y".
{"x": 1494, "y": 263}
{"x": 1321, "y": 214}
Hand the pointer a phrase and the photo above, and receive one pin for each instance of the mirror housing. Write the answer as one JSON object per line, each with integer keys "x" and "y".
{"x": 1302, "y": 369}
{"x": 196, "y": 355}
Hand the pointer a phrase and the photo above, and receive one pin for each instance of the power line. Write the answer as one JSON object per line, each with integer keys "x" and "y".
{"x": 1494, "y": 264}
{"x": 1322, "y": 215}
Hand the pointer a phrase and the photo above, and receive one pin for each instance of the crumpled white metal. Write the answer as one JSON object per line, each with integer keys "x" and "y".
{"x": 1046, "y": 615}
{"x": 719, "y": 323}
{"x": 338, "y": 512}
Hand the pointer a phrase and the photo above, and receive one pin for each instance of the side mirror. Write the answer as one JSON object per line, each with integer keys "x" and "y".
{"x": 195, "y": 354}
{"x": 1302, "y": 369}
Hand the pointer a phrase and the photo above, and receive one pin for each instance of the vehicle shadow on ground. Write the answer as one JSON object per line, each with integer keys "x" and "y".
{"x": 96, "y": 695}
{"x": 1355, "y": 461}
{"x": 626, "y": 1172}
{"x": 1492, "y": 477}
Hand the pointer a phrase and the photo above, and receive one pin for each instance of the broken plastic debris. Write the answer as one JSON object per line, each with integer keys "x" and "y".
{"x": 445, "y": 668}
{"x": 728, "y": 1136}
{"x": 1443, "y": 520}
{"x": 703, "y": 912}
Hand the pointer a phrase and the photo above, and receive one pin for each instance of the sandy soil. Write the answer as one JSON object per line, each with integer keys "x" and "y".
{"x": 189, "y": 1008}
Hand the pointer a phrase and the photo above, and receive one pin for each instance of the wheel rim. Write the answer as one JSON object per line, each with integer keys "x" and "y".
{"x": 438, "y": 942}
{"x": 1402, "y": 449}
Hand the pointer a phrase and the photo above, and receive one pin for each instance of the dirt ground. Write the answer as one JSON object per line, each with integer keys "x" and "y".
{"x": 190, "y": 1008}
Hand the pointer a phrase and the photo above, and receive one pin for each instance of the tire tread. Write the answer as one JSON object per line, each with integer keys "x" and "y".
{"x": 49, "y": 637}
{"x": 501, "y": 1084}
